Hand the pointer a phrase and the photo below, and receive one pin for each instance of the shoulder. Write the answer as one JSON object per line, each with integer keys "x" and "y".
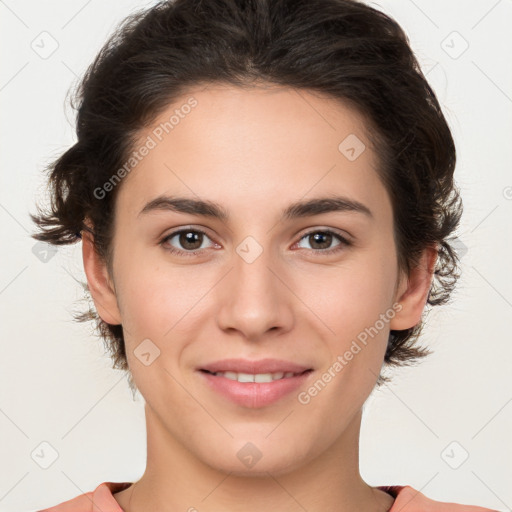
{"x": 99, "y": 499}
{"x": 408, "y": 499}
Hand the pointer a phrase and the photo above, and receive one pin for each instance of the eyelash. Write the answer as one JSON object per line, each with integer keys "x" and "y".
{"x": 343, "y": 242}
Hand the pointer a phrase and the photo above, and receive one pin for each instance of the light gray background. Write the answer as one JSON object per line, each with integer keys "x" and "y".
{"x": 56, "y": 384}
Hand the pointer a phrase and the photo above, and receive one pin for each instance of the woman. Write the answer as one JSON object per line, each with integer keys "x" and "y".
{"x": 264, "y": 193}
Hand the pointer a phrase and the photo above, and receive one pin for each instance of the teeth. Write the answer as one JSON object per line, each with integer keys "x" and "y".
{"x": 259, "y": 377}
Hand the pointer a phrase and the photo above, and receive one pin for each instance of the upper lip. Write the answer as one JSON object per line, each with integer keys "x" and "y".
{"x": 254, "y": 366}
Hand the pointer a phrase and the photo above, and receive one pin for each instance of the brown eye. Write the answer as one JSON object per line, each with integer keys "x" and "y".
{"x": 321, "y": 241}
{"x": 187, "y": 241}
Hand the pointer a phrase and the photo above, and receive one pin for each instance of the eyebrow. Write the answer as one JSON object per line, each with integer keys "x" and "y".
{"x": 296, "y": 210}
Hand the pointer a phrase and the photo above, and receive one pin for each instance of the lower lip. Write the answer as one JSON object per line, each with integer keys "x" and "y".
{"x": 255, "y": 394}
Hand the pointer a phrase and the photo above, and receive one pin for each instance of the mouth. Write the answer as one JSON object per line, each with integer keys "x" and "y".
{"x": 254, "y": 390}
{"x": 256, "y": 377}
{"x": 254, "y": 366}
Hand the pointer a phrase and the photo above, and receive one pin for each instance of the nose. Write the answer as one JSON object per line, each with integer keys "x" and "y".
{"x": 255, "y": 298}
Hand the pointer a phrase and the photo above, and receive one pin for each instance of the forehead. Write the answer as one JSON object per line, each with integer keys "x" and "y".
{"x": 262, "y": 145}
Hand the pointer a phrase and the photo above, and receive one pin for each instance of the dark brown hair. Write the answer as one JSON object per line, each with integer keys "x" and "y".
{"x": 343, "y": 49}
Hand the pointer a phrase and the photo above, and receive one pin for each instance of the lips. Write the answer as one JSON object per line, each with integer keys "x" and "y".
{"x": 255, "y": 366}
{"x": 255, "y": 390}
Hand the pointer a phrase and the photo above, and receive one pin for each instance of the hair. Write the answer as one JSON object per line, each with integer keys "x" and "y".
{"x": 342, "y": 49}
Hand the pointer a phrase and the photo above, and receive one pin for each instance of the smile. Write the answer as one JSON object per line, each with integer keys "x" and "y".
{"x": 254, "y": 390}
{"x": 258, "y": 377}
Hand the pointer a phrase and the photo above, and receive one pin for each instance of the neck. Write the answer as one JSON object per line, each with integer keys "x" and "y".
{"x": 175, "y": 479}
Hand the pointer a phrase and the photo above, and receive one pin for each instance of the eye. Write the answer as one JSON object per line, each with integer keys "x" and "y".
{"x": 322, "y": 239}
{"x": 190, "y": 239}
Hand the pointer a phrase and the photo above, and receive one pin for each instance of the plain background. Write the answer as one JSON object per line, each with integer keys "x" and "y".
{"x": 56, "y": 384}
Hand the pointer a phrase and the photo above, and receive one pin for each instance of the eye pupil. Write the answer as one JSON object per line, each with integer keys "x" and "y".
{"x": 190, "y": 237}
{"x": 326, "y": 236}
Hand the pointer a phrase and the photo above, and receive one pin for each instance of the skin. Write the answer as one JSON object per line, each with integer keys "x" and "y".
{"x": 254, "y": 151}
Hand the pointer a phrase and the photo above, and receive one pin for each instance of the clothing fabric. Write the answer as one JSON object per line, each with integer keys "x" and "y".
{"x": 407, "y": 499}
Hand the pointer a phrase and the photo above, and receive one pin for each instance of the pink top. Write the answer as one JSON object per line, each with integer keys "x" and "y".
{"x": 406, "y": 500}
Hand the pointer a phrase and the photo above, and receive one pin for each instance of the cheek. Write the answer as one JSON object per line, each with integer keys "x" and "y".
{"x": 357, "y": 307}
{"x": 358, "y": 311}
{"x": 159, "y": 300}
{"x": 148, "y": 297}
{"x": 353, "y": 295}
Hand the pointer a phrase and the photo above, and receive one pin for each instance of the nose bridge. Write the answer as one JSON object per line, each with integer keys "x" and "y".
{"x": 252, "y": 265}
{"x": 254, "y": 281}
{"x": 255, "y": 298}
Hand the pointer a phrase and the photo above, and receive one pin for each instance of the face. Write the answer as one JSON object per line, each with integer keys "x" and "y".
{"x": 317, "y": 288}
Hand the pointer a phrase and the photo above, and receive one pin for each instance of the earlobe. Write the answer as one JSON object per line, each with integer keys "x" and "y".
{"x": 413, "y": 297}
{"x": 98, "y": 280}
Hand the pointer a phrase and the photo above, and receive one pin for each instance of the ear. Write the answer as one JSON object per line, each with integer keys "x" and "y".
{"x": 413, "y": 292}
{"x": 100, "y": 285}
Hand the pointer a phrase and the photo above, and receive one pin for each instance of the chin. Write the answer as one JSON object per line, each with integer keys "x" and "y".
{"x": 252, "y": 457}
